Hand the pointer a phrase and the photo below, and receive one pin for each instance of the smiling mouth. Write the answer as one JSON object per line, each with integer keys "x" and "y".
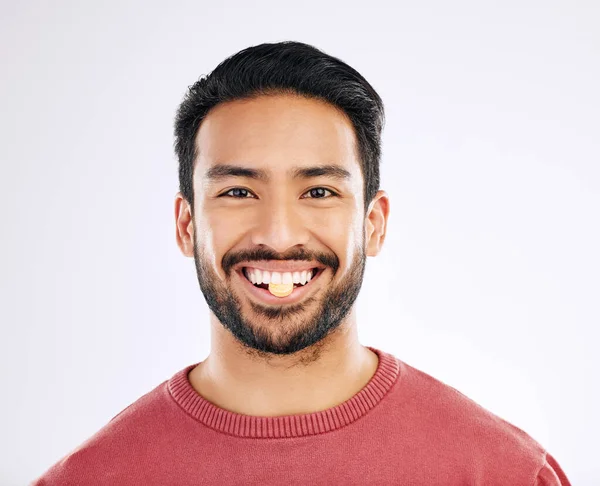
{"x": 262, "y": 279}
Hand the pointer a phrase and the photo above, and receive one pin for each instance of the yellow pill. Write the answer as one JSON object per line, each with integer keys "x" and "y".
{"x": 281, "y": 290}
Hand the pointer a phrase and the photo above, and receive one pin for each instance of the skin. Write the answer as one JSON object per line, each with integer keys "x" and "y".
{"x": 265, "y": 359}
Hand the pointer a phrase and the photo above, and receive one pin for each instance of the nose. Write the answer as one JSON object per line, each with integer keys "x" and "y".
{"x": 280, "y": 226}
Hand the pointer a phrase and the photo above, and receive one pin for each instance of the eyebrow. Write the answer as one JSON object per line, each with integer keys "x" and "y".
{"x": 222, "y": 171}
{"x": 331, "y": 171}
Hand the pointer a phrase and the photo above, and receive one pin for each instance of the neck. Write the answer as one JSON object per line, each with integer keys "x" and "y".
{"x": 314, "y": 379}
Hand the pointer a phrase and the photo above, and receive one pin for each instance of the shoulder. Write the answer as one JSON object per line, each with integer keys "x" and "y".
{"x": 122, "y": 442}
{"x": 462, "y": 431}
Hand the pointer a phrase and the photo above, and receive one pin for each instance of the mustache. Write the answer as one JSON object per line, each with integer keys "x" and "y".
{"x": 229, "y": 260}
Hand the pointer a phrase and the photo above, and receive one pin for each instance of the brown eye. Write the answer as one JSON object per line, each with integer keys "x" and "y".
{"x": 319, "y": 193}
{"x": 237, "y": 193}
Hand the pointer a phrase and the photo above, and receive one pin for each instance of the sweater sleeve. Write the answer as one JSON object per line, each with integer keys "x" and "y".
{"x": 551, "y": 474}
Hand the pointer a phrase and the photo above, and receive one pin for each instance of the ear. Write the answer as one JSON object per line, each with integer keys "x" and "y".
{"x": 184, "y": 233}
{"x": 376, "y": 223}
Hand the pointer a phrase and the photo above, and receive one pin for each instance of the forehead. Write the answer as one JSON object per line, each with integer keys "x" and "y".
{"x": 275, "y": 133}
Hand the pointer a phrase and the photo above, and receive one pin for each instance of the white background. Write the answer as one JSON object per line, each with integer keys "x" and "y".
{"x": 489, "y": 276}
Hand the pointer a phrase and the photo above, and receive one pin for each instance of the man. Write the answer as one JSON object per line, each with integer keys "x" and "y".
{"x": 279, "y": 206}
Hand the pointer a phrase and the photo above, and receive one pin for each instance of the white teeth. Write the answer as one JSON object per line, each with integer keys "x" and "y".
{"x": 258, "y": 277}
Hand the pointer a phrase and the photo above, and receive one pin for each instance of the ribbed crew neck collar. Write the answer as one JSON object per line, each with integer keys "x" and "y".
{"x": 300, "y": 425}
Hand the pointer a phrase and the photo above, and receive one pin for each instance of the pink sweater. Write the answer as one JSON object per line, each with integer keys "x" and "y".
{"x": 404, "y": 427}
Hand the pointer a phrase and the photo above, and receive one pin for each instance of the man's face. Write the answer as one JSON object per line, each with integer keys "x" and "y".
{"x": 264, "y": 206}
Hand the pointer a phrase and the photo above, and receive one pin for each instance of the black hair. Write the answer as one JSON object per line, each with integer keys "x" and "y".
{"x": 287, "y": 67}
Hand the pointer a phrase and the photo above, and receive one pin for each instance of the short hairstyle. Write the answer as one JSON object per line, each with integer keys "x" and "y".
{"x": 287, "y": 67}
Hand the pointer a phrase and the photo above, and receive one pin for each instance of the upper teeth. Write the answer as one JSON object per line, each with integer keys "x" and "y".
{"x": 257, "y": 276}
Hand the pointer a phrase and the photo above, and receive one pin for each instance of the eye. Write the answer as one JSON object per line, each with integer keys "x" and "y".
{"x": 242, "y": 193}
{"x": 319, "y": 193}
{"x": 238, "y": 193}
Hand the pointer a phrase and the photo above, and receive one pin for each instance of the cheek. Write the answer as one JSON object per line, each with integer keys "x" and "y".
{"x": 213, "y": 235}
{"x": 340, "y": 232}
{"x": 219, "y": 232}
{"x": 226, "y": 227}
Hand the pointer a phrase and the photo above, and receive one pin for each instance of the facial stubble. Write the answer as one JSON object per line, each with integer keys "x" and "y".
{"x": 297, "y": 328}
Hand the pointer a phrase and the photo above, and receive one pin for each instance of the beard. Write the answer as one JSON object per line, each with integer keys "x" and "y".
{"x": 291, "y": 327}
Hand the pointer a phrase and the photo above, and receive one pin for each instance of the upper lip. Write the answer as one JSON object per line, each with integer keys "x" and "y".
{"x": 283, "y": 266}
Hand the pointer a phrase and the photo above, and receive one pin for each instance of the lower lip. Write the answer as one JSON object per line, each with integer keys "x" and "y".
{"x": 263, "y": 294}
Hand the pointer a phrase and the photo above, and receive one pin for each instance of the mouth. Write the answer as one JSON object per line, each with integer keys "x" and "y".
{"x": 302, "y": 285}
